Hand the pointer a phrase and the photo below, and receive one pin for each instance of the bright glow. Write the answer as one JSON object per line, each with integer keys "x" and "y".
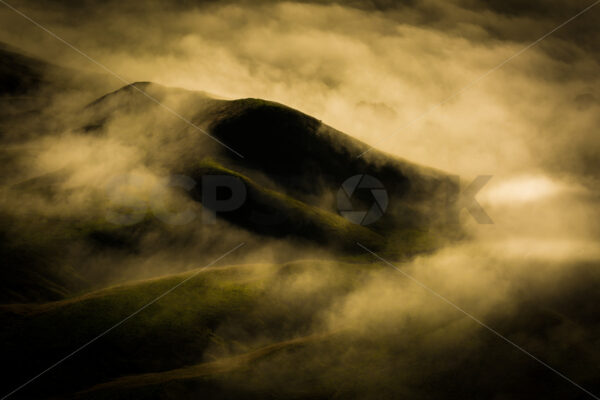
{"x": 522, "y": 189}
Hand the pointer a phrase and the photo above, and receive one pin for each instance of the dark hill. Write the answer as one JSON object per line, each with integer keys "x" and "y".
{"x": 292, "y": 165}
{"x": 310, "y": 159}
{"x": 282, "y": 149}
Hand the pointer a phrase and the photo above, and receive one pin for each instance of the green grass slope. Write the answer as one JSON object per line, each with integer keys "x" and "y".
{"x": 311, "y": 160}
{"x": 219, "y": 313}
{"x": 205, "y": 378}
{"x": 270, "y": 212}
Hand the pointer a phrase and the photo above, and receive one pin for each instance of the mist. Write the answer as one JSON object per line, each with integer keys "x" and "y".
{"x": 412, "y": 80}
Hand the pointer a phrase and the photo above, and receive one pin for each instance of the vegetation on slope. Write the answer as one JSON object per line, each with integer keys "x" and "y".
{"x": 218, "y": 312}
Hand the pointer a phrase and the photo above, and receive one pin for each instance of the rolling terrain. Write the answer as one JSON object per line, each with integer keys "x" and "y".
{"x": 57, "y": 295}
{"x": 292, "y": 168}
{"x": 101, "y": 266}
{"x": 300, "y": 199}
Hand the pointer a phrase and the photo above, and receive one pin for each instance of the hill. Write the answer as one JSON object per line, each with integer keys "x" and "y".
{"x": 206, "y": 318}
{"x": 291, "y": 165}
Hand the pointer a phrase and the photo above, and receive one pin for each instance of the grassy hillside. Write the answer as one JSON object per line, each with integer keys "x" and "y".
{"x": 208, "y": 378}
{"x": 311, "y": 161}
{"x": 267, "y": 211}
{"x": 306, "y": 159}
{"x": 220, "y": 312}
{"x": 63, "y": 257}
{"x": 266, "y": 331}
